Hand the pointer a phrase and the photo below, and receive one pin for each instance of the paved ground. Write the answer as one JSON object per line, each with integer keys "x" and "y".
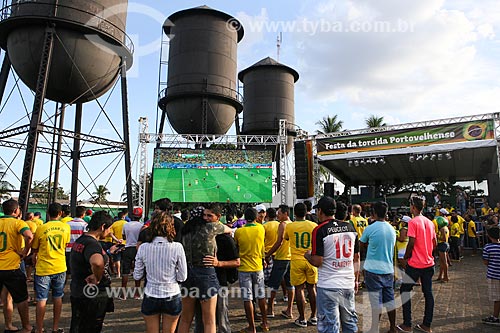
{"x": 460, "y": 305}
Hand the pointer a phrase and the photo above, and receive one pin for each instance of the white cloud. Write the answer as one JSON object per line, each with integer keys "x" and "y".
{"x": 439, "y": 70}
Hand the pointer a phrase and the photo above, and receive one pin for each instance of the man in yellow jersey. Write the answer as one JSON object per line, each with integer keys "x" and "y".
{"x": 12, "y": 233}
{"x": 250, "y": 242}
{"x": 49, "y": 249}
{"x": 261, "y": 213}
{"x": 359, "y": 223}
{"x": 271, "y": 228}
{"x": 38, "y": 218}
{"x": 299, "y": 233}
{"x": 454, "y": 238}
{"x": 281, "y": 264}
{"x": 117, "y": 231}
{"x": 28, "y": 261}
{"x": 471, "y": 232}
{"x": 66, "y": 214}
{"x": 460, "y": 226}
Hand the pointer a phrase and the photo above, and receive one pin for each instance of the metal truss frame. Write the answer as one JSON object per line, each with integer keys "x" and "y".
{"x": 188, "y": 140}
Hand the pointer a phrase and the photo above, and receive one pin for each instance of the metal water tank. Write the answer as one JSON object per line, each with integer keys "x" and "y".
{"x": 89, "y": 41}
{"x": 201, "y": 95}
{"x": 269, "y": 89}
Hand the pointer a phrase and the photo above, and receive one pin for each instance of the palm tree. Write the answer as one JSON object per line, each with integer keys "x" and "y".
{"x": 329, "y": 125}
{"x": 100, "y": 194}
{"x": 374, "y": 121}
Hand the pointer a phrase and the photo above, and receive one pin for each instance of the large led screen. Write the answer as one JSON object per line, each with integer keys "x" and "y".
{"x": 212, "y": 175}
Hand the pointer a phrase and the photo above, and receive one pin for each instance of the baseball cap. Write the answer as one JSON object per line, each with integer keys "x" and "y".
{"x": 137, "y": 211}
{"x": 406, "y": 218}
{"x": 89, "y": 212}
{"x": 260, "y": 208}
{"x": 327, "y": 204}
{"x": 443, "y": 211}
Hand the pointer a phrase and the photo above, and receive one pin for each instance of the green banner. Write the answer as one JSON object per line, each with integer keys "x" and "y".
{"x": 440, "y": 134}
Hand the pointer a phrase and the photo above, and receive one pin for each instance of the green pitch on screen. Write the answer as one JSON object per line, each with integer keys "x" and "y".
{"x": 213, "y": 185}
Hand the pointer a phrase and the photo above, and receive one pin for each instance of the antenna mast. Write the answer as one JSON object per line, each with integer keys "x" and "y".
{"x": 279, "y": 41}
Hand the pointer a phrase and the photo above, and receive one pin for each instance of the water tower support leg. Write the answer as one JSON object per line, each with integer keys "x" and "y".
{"x": 75, "y": 156}
{"x": 4, "y": 75}
{"x": 36, "y": 117}
{"x": 58, "y": 154}
{"x": 126, "y": 136}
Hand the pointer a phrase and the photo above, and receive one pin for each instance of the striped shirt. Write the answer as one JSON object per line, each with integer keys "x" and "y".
{"x": 78, "y": 227}
{"x": 165, "y": 265}
{"x": 491, "y": 252}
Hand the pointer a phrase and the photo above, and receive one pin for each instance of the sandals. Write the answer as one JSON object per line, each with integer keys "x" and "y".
{"x": 286, "y": 315}
{"x": 419, "y": 328}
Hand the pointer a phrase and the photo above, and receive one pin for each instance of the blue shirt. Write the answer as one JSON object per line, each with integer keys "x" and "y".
{"x": 381, "y": 238}
{"x": 491, "y": 252}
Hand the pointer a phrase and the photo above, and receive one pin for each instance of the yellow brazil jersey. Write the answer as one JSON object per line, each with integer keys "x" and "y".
{"x": 300, "y": 235}
{"x": 66, "y": 219}
{"x": 471, "y": 225}
{"x": 11, "y": 242}
{"x": 485, "y": 211}
{"x": 32, "y": 225}
{"x": 283, "y": 252}
{"x": 50, "y": 241}
{"x": 271, "y": 236}
{"x": 117, "y": 229}
{"x": 461, "y": 224}
{"x": 443, "y": 235}
{"x": 359, "y": 224}
{"x": 38, "y": 221}
{"x": 435, "y": 226}
{"x": 250, "y": 241}
{"x": 455, "y": 230}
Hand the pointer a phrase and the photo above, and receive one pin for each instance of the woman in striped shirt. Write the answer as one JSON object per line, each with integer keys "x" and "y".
{"x": 164, "y": 263}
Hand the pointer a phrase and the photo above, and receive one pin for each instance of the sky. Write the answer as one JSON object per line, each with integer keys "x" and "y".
{"x": 401, "y": 60}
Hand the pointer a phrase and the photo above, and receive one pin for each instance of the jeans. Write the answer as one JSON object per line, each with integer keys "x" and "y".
{"x": 87, "y": 314}
{"x": 335, "y": 308}
{"x": 412, "y": 275}
{"x": 381, "y": 291}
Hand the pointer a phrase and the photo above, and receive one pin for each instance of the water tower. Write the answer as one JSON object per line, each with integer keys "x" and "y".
{"x": 269, "y": 90}
{"x": 201, "y": 95}
{"x": 70, "y": 52}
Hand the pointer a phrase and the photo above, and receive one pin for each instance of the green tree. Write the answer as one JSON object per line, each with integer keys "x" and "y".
{"x": 100, "y": 194}
{"x": 40, "y": 191}
{"x": 329, "y": 125}
{"x": 5, "y": 186}
{"x": 374, "y": 121}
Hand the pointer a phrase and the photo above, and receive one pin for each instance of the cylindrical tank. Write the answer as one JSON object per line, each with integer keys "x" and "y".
{"x": 201, "y": 95}
{"x": 268, "y": 97}
{"x": 89, "y": 41}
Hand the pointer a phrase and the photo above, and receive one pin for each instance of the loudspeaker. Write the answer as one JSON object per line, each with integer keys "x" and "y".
{"x": 493, "y": 189}
{"x": 329, "y": 189}
{"x": 304, "y": 183}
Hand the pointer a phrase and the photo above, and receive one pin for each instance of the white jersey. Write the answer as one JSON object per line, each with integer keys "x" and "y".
{"x": 337, "y": 242}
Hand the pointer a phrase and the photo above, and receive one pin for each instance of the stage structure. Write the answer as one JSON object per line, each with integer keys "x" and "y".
{"x": 191, "y": 141}
{"x": 69, "y": 53}
{"x": 454, "y": 149}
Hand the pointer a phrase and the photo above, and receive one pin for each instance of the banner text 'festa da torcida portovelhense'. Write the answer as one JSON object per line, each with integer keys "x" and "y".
{"x": 412, "y": 137}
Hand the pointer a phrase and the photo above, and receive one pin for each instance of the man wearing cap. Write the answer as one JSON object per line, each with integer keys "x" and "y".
{"x": 88, "y": 215}
{"x": 335, "y": 251}
{"x": 261, "y": 213}
{"x": 131, "y": 232}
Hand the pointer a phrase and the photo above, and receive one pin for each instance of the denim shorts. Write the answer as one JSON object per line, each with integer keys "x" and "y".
{"x": 43, "y": 284}
{"x": 201, "y": 283}
{"x": 380, "y": 289}
{"x": 252, "y": 285}
{"x": 171, "y": 306}
{"x": 443, "y": 247}
{"x": 280, "y": 271}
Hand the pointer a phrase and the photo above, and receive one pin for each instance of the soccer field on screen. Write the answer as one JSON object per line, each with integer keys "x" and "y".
{"x": 213, "y": 185}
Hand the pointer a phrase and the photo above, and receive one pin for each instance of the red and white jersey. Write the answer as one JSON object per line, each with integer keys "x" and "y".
{"x": 337, "y": 242}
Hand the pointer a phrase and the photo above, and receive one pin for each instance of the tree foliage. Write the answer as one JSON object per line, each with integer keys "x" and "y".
{"x": 374, "y": 121}
{"x": 100, "y": 194}
{"x": 329, "y": 124}
{"x": 40, "y": 191}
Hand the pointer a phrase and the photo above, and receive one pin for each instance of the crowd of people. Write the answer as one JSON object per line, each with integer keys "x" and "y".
{"x": 185, "y": 258}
